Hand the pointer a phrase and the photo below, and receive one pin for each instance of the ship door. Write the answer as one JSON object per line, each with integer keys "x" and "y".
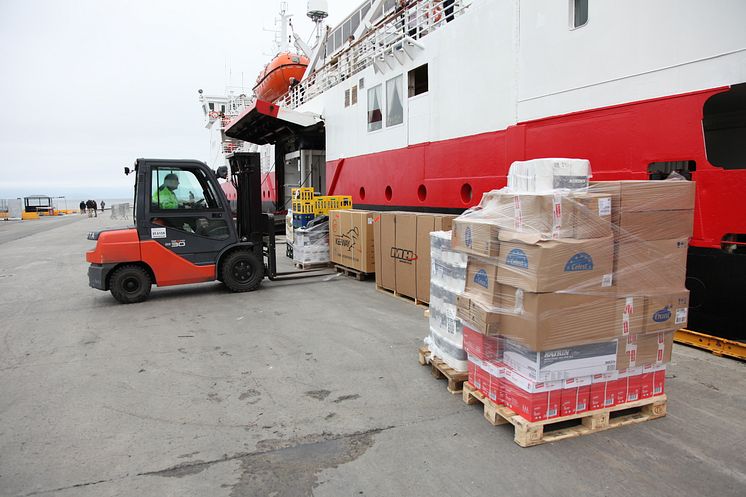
{"x": 305, "y": 168}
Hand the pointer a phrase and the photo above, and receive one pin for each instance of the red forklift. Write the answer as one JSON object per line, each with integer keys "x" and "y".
{"x": 185, "y": 232}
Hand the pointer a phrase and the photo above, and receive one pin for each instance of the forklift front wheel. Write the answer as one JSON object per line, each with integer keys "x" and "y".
{"x": 242, "y": 271}
{"x": 130, "y": 284}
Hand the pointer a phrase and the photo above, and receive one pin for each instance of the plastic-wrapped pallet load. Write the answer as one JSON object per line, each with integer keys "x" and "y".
{"x": 311, "y": 244}
{"x": 573, "y": 295}
{"x": 447, "y": 278}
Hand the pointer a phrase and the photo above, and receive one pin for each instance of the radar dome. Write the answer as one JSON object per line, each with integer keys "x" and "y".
{"x": 317, "y": 9}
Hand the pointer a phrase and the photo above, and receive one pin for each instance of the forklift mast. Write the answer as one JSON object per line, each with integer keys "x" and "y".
{"x": 246, "y": 174}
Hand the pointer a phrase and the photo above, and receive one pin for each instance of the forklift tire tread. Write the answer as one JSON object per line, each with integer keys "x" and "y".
{"x": 130, "y": 284}
{"x": 242, "y": 271}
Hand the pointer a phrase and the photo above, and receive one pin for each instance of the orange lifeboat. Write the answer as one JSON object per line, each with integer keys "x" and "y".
{"x": 276, "y": 77}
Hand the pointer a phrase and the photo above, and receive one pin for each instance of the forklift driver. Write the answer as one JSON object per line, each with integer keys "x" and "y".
{"x": 164, "y": 197}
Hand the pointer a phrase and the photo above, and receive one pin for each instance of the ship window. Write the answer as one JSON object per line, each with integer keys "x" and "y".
{"x": 211, "y": 105}
{"x": 579, "y": 13}
{"x": 395, "y": 109}
{"x": 353, "y": 95}
{"x": 375, "y": 117}
{"x": 354, "y": 22}
{"x": 337, "y": 38}
{"x": 724, "y": 125}
{"x": 418, "y": 83}
{"x": 361, "y": 83}
{"x": 346, "y": 27}
{"x": 347, "y": 98}
{"x": 661, "y": 170}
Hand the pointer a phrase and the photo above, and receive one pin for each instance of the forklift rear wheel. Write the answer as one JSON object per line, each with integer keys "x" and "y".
{"x": 130, "y": 284}
{"x": 242, "y": 271}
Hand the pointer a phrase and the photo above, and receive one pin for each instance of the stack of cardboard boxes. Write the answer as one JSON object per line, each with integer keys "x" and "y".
{"x": 572, "y": 296}
{"x": 402, "y": 251}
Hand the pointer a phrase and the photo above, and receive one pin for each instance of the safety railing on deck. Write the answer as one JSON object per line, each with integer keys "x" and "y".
{"x": 406, "y": 25}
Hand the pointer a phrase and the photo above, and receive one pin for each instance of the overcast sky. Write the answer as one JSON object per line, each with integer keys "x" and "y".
{"x": 90, "y": 85}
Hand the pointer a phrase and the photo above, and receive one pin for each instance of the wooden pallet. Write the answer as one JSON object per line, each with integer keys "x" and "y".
{"x": 354, "y": 273}
{"x": 529, "y": 433}
{"x": 405, "y": 298}
{"x": 308, "y": 266}
{"x": 440, "y": 369}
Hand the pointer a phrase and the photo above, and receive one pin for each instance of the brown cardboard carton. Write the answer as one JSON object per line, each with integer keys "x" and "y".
{"x": 351, "y": 239}
{"x": 666, "y": 311}
{"x": 402, "y": 251}
{"x": 650, "y": 266}
{"x": 405, "y": 253}
{"x": 655, "y": 225}
{"x": 385, "y": 239}
{"x": 481, "y": 281}
{"x": 478, "y": 316}
{"x": 547, "y": 321}
{"x": 549, "y": 215}
{"x": 592, "y": 215}
{"x": 644, "y": 349}
{"x": 554, "y": 265}
{"x": 425, "y": 225}
{"x": 475, "y": 236}
{"x": 648, "y": 195}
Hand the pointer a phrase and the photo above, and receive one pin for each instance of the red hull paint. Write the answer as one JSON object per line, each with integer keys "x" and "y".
{"x": 620, "y": 141}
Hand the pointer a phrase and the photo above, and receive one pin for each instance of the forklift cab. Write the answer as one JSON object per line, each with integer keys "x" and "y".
{"x": 180, "y": 206}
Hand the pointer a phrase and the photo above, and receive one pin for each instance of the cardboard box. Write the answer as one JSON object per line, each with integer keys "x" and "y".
{"x": 592, "y": 215}
{"x": 351, "y": 241}
{"x": 645, "y": 349}
{"x": 546, "y": 321}
{"x": 559, "y": 364}
{"x": 647, "y": 195}
{"x": 402, "y": 251}
{"x": 533, "y": 400}
{"x": 548, "y": 215}
{"x": 666, "y": 311}
{"x": 550, "y": 266}
{"x": 575, "y": 395}
{"x": 475, "y": 236}
{"x": 650, "y": 266}
{"x": 655, "y": 225}
{"x": 484, "y": 347}
{"x": 601, "y": 395}
{"x": 477, "y": 316}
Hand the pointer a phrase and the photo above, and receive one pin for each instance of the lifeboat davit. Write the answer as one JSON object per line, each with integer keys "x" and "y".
{"x": 276, "y": 77}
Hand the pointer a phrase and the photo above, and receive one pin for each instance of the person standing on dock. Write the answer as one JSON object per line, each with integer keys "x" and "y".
{"x": 82, "y": 207}
{"x": 103, "y": 206}
{"x": 95, "y": 208}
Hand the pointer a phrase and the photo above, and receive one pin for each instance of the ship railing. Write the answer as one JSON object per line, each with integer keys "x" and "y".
{"x": 417, "y": 20}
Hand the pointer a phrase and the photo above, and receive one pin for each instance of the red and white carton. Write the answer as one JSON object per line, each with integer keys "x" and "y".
{"x": 486, "y": 348}
{"x": 534, "y": 400}
{"x": 659, "y": 380}
{"x": 575, "y": 395}
{"x": 601, "y": 396}
{"x": 496, "y": 392}
{"x": 646, "y": 380}
{"x": 559, "y": 364}
{"x": 634, "y": 384}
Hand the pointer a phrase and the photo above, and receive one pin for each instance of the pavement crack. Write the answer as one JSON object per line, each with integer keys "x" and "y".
{"x": 69, "y": 487}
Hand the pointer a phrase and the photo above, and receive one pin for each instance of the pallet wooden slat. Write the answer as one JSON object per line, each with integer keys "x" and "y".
{"x": 440, "y": 369}
{"x": 358, "y": 275}
{"x": 311, "y": 265}
{"x": 529, "y": 433}
{"x": 401, "y": 296}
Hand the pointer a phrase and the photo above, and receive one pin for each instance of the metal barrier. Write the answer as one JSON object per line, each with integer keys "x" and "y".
{"x": 120, "y": 211}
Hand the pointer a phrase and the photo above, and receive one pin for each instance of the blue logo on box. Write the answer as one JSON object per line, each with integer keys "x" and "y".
{"x": 662, "y": 315}
{"x": 467, "y": 236}
{"x": 481, "y": 278}
{"x": 582, "y": 261}
{"x": 517, "y": 258}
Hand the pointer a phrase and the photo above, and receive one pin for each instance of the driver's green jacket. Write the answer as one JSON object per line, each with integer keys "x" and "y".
{"x": 165, "y": 198}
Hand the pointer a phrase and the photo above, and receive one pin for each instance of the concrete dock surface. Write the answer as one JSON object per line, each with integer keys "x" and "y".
{"x": 302, "y": 388}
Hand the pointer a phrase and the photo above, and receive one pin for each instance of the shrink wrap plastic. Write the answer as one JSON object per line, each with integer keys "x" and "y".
{"x": 311, "y": 244}
{"x": 564, "y": 267}
{"x": 447, "y": 278}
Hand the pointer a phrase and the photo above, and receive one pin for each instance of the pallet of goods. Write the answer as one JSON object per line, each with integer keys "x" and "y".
{"x": 444, "y": 350}
{"x": 311, "y": 244}
{"x": 573, "y": 292}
